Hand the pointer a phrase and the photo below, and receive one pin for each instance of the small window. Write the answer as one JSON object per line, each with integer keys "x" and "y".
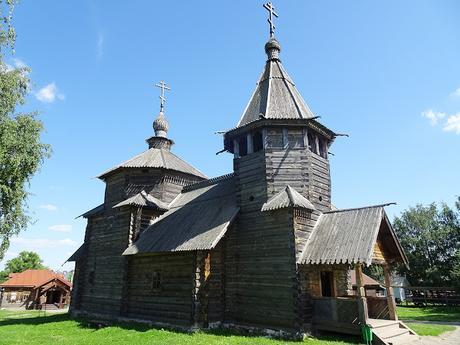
{"x": 312, "y": 142}
{"x": 243, "y": 146}
{"x": 156, "y": 281}
{"x": 257, "y": 141}
{"x": 295, "y": 138}
{"x": 327, "y": 284}
{"x": 207, "y": 266}
{"x": 274, "y": 138}
{"x": 323, "y": 147}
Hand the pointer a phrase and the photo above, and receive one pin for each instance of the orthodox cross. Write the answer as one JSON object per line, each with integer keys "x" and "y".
{"x": 271, "y": 10}
{"x": 162, "y": 85}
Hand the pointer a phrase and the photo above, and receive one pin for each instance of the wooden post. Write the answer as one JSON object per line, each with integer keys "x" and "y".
{"x": 390, "y": 296}
{"x": 265, "y": 138}
{"x": 362, "y": 302}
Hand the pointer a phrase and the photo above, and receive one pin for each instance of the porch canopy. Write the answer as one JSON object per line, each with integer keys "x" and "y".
{"x": 353, "y": 236}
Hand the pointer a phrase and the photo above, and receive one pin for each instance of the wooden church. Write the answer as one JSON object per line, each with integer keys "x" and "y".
{"x": 260, "y": 249}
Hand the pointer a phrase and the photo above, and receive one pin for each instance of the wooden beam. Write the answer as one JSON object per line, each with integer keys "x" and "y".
{"x": 362, "y": 302}
{"x": 390, "y": 295}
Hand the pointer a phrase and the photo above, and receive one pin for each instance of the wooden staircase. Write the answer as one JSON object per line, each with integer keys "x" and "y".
{"x": 390, "y": 332}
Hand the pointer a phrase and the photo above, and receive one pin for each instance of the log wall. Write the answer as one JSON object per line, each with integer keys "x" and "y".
{"x": 260, "y": 270}
{"x": 169, "y": 303}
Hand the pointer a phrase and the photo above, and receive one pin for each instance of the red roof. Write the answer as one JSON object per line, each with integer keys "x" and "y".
{"x": 367, "y": 281}
{"x": 33, "y": 278}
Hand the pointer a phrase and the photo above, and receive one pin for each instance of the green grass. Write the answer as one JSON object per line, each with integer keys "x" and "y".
{"x": 27, "y": 327}
{"x": 430, "y": 329}
{"x": 429, "y": 313}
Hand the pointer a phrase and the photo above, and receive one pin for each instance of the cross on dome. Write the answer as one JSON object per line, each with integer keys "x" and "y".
{"x": 271, "y": 10}
{"x": 162, "y": 85}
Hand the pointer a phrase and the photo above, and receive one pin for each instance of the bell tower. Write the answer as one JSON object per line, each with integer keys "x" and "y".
{"x": 279, "y": 139}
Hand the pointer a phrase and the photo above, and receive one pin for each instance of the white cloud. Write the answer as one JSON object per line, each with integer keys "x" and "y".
{"x": 456, "y": 93}
{"x": 433, "y": 116}
{"x": 61, "y": 228}
{"x": 100, "y": 45}
{"x": 41, "y": 243}
{"x": 452, "y": 124}
{"x": 49, "y": 207}
{"x": 49, "y": 94}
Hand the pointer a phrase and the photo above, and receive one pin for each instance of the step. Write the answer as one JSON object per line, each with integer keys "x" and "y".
{"x": 390, "y": 334}
{"x": 404, "y": 339}
{"x": 379, "y": 323}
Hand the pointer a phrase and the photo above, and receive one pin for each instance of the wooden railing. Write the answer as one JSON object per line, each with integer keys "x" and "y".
{"x": 336, "y": 314}
{"x": 377, "y": 308}
{"x": 339, "y": 309}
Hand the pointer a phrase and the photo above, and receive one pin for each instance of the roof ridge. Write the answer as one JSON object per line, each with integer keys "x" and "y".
{"x": 359, "y": 208}
{"x": 207, "y": 182}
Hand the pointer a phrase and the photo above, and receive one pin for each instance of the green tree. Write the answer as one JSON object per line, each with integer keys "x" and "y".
{"x": 21, "y": 151}
{"x": 430, "y": 236}
{"x": 25, "y": 261}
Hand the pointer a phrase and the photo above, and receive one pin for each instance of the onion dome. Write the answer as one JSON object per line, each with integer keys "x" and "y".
{"x": 161, "y": 125}
{"x": 273, "y": 49}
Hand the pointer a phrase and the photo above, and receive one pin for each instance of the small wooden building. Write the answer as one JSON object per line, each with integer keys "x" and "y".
{"x": 261, "y": 248}
{"x": 36, "y": 289}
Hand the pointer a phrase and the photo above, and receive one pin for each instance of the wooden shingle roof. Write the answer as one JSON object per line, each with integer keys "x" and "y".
{"x": 143, "y": 199}
{"x": 349, "y": 237}
{"x": 288, "y": 197}
{"x": 275, "y": 95}
{"x": 157, "y": 158}
{"x": 197, "y": 219}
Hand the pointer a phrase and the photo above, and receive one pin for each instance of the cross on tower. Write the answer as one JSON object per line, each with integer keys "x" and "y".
{"x": 162, "y": 85}
{"x": 271, "y": 10}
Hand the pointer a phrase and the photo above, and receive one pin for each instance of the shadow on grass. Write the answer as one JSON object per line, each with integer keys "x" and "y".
{"x": 96, "y": 325}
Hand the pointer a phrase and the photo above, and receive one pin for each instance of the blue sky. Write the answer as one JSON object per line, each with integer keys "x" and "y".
{"x": 387, "y": 73}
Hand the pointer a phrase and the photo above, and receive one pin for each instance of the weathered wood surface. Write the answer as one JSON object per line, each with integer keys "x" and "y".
{"x": 172, "y": 302}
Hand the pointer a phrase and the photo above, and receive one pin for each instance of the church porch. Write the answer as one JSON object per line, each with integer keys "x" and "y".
{"x": 345, "y": 240}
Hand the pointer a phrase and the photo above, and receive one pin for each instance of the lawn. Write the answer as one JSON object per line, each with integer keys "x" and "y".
{"x": 429, "y": 313}
{"x": 30, "y": 327}
{"x": 429, "y": 329}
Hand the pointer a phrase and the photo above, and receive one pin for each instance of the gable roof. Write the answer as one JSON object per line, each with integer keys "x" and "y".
{"x": 275, "y": 95}
{"x": 288, "y": 197}
{"x": 144, "y": 200}
{"x": 157, "y": 158}
{"x": 34, "y": 279}
{"x": 92, "y": 212}
{"x": 367, "y": 281}
{"x": 78, "y": 253}
{"x": 197, "y": 219}
{"x": 348, "y": 237}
